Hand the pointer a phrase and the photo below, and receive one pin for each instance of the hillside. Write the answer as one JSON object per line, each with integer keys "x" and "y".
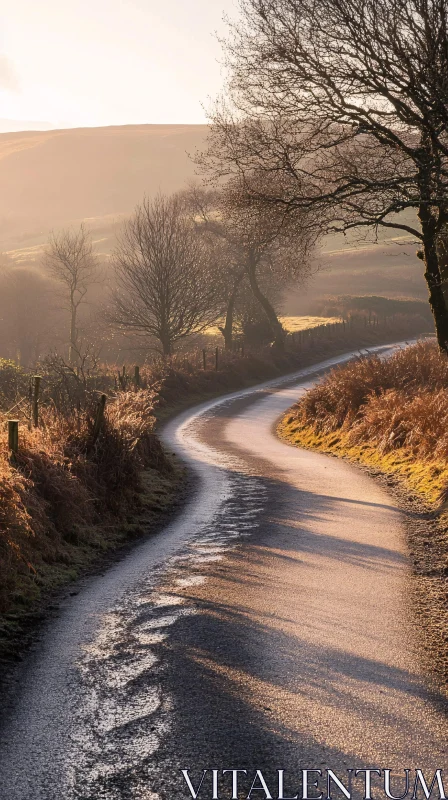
{"x": 50, "y": 178}
{"x": 388, "y": 268}
{"x": 53, "y": 178}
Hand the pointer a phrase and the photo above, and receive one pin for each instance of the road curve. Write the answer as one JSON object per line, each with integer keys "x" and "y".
{"x": 268, "y": 627}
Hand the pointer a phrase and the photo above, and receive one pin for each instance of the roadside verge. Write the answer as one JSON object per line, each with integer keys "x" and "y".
{"x": 390, "y": 417}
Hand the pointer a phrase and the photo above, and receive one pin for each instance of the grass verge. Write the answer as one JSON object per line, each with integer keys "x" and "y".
{"x": 391, "y": 416}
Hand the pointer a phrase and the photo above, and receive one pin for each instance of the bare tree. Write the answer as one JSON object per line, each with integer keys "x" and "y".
{"x": 269, "y": 243}
{"x": 165, "y": 277}
{"x": 251, "y": 321}
{"x": 347, "y": 101}
{"x": 70, "y": 259}
{"x": 257, "y": 247}
{"x": 205, "y": 208}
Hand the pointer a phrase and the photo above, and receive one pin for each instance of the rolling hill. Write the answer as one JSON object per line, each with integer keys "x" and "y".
{"x": 53, "y": 178}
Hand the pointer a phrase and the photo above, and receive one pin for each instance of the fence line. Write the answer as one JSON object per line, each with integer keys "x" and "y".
{"x": 197, "y": 361}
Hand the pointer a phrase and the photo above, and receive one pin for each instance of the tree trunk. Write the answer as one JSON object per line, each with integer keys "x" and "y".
{"x": 227, "y": 330}
{"x": 433, "y": 277}
{"x": 442, "y": 255}
{"x": 73, "y": 336}
{"x": 276, "y": 326}
{"x": 166, "y": 348}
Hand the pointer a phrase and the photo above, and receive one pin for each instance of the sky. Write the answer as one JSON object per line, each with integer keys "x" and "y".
{"x": 75, "y": 63}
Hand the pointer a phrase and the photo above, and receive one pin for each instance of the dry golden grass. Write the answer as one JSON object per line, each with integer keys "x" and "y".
{"x": 61, "y": 493}
{"x": 391, "y": 414}
{"x": 291, "y": 324}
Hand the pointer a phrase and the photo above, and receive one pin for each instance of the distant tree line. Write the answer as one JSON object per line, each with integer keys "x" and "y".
{"x": 372, "y": 306}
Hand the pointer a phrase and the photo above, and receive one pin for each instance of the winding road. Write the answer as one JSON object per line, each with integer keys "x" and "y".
{"x": 267, "y": 627}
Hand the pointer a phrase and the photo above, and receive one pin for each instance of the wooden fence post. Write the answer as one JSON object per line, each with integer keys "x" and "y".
{"x": 78, "y": 415}
{"x": 99, "y": 417}
{"x": 13, "y": 435}
{"x": 137, "y": 376}
{"x": 204, "y": 359}
{"x": 36, "y": 391}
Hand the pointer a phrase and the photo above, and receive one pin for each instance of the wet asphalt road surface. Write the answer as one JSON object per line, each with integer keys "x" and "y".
{"x": 268, "y": 627}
